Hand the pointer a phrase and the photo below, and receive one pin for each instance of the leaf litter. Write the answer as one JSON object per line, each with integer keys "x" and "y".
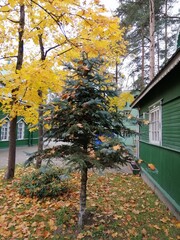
{"x": 119, "y": 206}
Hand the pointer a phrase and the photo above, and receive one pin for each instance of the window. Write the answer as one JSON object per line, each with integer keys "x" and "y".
{"x": 155, "y": 124}
{"x": 5, "y": 131}
{"x": 20, "y": 130}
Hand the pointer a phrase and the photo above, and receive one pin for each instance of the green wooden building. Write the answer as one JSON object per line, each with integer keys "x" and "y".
{"x": 159, "y": 141}
{"x": 131, "y": 140}
{"x": 24, "y": 136}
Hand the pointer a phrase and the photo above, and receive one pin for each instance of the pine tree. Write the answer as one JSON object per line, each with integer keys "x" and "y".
{"x": 135, "y": 16}
{"x": 82, "y": 114}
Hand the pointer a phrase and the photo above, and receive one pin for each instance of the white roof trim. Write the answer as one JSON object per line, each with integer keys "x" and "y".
{"x": 21, "y": 120}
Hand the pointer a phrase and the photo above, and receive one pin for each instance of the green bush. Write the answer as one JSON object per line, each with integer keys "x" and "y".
{"x": 45, "y": 182}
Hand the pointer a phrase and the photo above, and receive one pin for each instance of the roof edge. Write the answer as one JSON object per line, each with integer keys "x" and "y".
{"x": 173, "y": 61}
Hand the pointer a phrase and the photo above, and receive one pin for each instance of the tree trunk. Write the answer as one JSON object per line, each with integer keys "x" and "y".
{"x": 142, "y": 68}
{"x": 12, "y": 133}
{"x": 116, "y": 76}
{"x": 152, "y": 43}
{"x": 84, "y": 172}
{"x": 12, "y": 150}
{"x": 40, "y": 117}
{"x": 165, "y": 37}
{"x": 158, "y": 53}
{"x": 40, "y": 133}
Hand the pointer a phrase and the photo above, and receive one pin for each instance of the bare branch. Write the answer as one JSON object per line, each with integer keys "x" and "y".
{"x": 172, "y": 17}
{"x": 13, "y": 21}
{"x": 64, "y": 52}
{"x": 8, "y": 57}
{"x": 56, "y": 46}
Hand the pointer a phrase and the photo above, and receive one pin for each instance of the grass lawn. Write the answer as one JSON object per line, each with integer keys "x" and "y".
{"x": 118, "y": 207}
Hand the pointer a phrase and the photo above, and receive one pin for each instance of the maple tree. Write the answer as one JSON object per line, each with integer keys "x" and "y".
{"x": 62, "y": 30}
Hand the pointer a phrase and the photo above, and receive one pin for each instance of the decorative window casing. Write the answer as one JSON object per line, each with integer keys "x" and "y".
{"x": 20, "y": 130}
{"x": 5, "y": 131}
{"x": 155, "y": 124}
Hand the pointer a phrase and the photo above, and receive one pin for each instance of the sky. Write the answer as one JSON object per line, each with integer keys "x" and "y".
{"x": 110, "y": 4}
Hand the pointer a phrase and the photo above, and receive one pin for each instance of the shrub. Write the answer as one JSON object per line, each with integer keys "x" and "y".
{"x": 45, "y": 182}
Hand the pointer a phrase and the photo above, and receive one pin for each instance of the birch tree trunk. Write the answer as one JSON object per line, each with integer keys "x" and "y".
{"x": 12, "y": 134}
{"x": 84, "y": 172}
{"x": 152, "y": 44}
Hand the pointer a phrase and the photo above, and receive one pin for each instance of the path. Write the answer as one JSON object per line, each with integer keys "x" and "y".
{"x": 21, "y": 156}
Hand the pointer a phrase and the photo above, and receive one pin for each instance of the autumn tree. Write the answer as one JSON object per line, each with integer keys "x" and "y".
{"x": 14, "y": 100}
{"x": 62, "y": 30}
{"x": 83, "y": 113}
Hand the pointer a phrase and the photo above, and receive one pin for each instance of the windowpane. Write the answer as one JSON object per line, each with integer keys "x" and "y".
{"x": 5, "y": 131}
{"x": 20, "y": 131}
{"x": 155, "y": 125}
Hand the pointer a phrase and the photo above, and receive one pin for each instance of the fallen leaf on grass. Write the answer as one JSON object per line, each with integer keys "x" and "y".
{"x": 157, "y": 227}
{"x": 133, "y": 231}
{"x": 128, "y": 217}
{"x": 143, "y": 231}
{"x": 135, "y": 211}
{"x": 114, "y": 234}
{"x": 178, "y": 225}
{"x": 80, "y": 236}
{"x": 52, "y": 225}
{"x": 116, "y": 217}
{"x": 164, "y": 220}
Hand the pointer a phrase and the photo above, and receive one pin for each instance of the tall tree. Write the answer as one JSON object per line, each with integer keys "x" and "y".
{"x": 135, "y": 16}
{"x": 12, "y": 133}
{"x": 152, "y": 40}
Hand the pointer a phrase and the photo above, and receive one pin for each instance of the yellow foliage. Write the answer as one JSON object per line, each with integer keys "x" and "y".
{"x": 76, "y": 26}
{"x": 122, "y": 99}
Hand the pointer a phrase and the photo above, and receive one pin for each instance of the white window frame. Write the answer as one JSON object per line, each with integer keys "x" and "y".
{"x": 20, "y": 130}
{"x": 5, "y": 131}
{"x": 155, "y": 123}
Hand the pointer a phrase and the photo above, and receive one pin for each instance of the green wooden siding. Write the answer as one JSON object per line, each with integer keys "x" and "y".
{"x": 167, "y": 163}
{"x": 171, "y": 124}
{"x": 144, "y": 132}
{"x": 23, "y": 142}
{"x": 166, "y": 157}
{"x": 30, "y": 138}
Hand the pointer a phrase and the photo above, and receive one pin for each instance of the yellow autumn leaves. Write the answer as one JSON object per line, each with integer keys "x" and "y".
{"x": 149, "y": 165}
{"x": 121, "y": 100}
{"x": 67, "y": 28}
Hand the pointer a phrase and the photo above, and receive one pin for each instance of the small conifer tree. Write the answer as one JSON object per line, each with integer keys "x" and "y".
{"x": 83, "y": 114}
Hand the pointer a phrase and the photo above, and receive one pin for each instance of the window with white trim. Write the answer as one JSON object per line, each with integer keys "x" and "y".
{"x": 5, "y": 131}
{"x": 20, "y": 130}
{"x": 155, "y": 124}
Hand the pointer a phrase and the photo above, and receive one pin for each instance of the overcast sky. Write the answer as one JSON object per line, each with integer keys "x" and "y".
{"x": 110, "y": 4}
